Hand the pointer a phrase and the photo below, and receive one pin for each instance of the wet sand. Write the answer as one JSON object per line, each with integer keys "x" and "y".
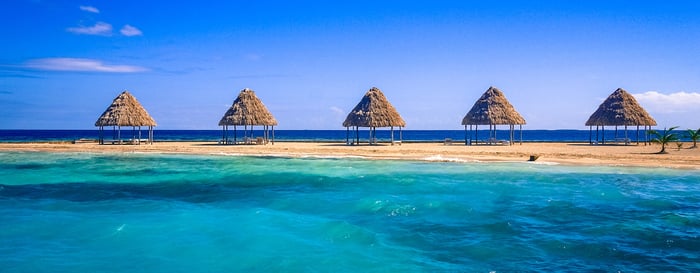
{"x": 561, "y": 153}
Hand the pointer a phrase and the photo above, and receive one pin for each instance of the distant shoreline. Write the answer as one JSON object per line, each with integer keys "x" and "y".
{"x": 550, "y": 152}
{"x": 340, "y": 135}
{"x": 362, "y": 142}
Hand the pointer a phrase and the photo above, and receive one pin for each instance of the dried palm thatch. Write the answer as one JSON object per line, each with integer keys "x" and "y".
{"x": 125, "y": 110}
{"x": 620, "y": 108}
{"x": 247, "y": 109}
{"x": 374, "y": 110}
{"x": 491, "y": 109}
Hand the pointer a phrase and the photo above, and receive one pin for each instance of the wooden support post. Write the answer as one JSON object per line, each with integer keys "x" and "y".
{"x": 603, "y": 128}
{"x": 357, "y": 135}
{"x": 392, "y": 135}
{"x": 465, "y": 134}
{"x": 596, "y": 134}
{"x": 521, "y": 134}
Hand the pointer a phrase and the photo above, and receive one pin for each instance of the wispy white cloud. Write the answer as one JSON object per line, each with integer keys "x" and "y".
{"x": 89, "y": 9}
{"x": 678, "y": 102}
{"x": 80, "y": 65}
{"x": 100, "y": 28}
{"x": 337, "y": 110}
{"x": 129, "y": 30}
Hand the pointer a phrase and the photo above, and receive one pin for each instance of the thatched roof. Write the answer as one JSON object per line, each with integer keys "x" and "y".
{"x": 492, "y": 108}
{"x": 620, "y": 108}
{"x": 374, "y": 110}
{"x": 125, "y": 110}
{"x": 247, "y": 109}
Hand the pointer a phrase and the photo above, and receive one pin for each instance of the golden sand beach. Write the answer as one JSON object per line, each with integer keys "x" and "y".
{"x": 561, "y": 153}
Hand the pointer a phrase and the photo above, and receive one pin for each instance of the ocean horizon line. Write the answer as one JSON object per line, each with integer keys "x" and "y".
{"x": 339, "y": 135}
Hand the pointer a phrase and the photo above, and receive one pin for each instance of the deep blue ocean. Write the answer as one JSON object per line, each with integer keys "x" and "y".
{"x": 129, "y": 212}
{"x": 317, "y": 135}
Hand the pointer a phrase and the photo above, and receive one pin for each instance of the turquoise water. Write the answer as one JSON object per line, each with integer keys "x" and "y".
{"x": 79, "y": 212}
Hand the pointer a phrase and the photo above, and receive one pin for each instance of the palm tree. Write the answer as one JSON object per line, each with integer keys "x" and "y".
{"x": 694, "y": 136}
{"x": 664, "y": 138}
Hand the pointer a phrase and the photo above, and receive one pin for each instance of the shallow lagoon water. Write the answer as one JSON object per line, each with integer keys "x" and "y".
{"x": 81, "y": 212}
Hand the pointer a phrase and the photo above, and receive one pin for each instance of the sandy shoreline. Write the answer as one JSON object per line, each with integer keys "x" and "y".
{"x": 562, "y": 153}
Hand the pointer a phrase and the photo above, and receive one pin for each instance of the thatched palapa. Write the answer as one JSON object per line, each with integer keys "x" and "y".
{"x": 125, "y": 110}
{"x": 619, "y": 109}
{"x": 492, "y": 109}
{"x": 248, "y": 110}
{"x": 373, "y": 111}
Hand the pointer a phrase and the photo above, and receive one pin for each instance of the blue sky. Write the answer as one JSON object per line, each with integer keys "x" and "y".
{"x": 62, "y": 62}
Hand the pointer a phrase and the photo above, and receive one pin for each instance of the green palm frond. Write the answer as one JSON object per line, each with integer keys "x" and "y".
{"x": 664, "y": 137}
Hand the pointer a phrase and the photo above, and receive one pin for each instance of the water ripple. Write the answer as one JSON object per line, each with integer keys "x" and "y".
{"x": 116, "y": 213}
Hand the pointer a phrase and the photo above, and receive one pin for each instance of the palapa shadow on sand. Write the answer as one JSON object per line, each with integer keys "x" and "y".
{"x": 357, "y": 145}
{"x": 605, "y": 145}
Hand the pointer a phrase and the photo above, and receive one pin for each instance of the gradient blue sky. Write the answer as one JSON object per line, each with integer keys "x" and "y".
{"x": 62, "y": 62}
